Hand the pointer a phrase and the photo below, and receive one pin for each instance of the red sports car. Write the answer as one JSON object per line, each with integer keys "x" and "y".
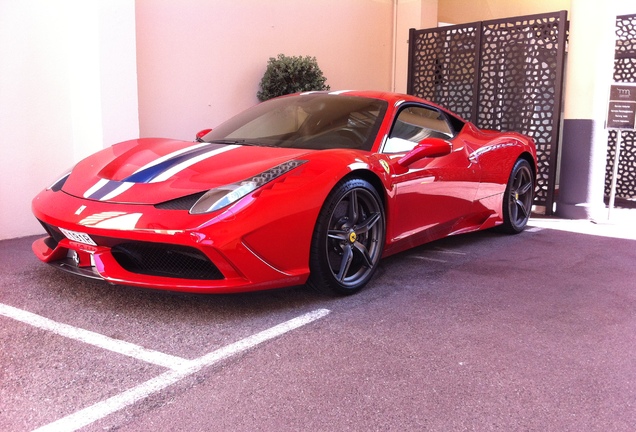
{"x": 309, "y": 188}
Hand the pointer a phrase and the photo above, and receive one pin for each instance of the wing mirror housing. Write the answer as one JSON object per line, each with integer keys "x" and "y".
{"x": 201, "y": 134}
{"x": 428, "y": 147}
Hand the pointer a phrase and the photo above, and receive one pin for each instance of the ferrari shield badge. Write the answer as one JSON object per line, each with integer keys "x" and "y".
{"x": 385, "y": 165}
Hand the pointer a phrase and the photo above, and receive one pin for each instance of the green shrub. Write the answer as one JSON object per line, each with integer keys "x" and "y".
{"x": 285, "y": 75}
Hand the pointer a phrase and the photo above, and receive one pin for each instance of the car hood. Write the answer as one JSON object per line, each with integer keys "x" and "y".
{"x": 151, "y": 170}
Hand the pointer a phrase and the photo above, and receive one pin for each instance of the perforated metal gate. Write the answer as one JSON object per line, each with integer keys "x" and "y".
{"x": 624, "y": 71}
{"x": 502, "y": 74}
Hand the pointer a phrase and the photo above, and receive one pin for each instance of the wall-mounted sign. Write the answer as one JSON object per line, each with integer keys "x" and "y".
{"x": 621, "y": 113}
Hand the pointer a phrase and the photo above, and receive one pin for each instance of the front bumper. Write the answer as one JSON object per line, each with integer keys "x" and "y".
{"x": 160, "y": 249}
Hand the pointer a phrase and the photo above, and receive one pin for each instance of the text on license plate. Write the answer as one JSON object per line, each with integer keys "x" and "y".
{"x": 78, "y": 237}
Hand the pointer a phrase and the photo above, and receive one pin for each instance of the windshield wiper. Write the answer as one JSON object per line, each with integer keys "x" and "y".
{"x": 227, "y": 141}
{"x": 239, "y": 142}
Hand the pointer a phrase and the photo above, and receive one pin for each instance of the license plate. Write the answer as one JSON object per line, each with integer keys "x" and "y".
{"x": 78, "y": 237}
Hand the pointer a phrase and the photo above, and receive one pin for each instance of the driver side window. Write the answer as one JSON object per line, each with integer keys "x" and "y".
{"x": 412, "y": 125}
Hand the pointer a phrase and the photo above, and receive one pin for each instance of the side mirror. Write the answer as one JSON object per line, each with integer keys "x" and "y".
{"x": 428, "y": 147}
{"x": 202, "y": 133}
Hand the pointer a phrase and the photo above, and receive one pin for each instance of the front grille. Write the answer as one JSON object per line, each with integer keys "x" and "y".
{"x": 158, "y": 259}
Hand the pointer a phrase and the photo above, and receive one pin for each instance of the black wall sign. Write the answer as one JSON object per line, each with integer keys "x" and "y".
{"x": 622, "y": 107}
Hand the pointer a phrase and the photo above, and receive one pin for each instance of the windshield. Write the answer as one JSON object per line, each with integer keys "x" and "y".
{"x": 309, "y": 121}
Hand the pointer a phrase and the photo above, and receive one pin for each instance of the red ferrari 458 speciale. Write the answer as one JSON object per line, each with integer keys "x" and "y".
{"x": 308, "y": 188}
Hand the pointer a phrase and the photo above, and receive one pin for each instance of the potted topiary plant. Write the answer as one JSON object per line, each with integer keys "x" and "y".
{"x": 285, "y": 75}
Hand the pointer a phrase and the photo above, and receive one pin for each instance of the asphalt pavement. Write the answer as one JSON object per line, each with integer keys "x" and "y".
{"x": 478, "y": 332}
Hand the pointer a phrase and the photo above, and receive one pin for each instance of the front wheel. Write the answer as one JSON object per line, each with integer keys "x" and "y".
{"x": 517, "y": 202}
{"x": 348, "y": 238}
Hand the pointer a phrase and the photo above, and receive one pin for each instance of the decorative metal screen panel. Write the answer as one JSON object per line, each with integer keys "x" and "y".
{"x": 444, "y": 67}
{"x": 624, "y": 71}
{"x": 501, "y": 74}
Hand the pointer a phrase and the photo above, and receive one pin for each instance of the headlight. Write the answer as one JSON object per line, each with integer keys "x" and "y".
{"x": 223, "y": 196}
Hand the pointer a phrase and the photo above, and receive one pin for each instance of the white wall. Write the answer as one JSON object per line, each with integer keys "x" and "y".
{"x": 67, "y": 88}
{"x": 200, "y": 61}
{"x": 417, "y": 14}
{"x": 462, "y": 11}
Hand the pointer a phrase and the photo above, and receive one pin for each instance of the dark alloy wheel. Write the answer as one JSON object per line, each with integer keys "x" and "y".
{"x": 517, "y": 203}
{"x": 348, "y": 239}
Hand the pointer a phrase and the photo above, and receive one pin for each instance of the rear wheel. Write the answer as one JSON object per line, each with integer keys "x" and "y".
{"x": 517, "y": 202}
{"x": 348, "y": 238}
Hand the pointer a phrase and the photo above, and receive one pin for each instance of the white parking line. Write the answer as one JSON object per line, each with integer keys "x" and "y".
{"x": 534, "y": 229}
{"x": 427, "y": 258}
{"x": 185, "y": 367}
{"x": 96, "y": 339}
{"x": 448, "y": 251}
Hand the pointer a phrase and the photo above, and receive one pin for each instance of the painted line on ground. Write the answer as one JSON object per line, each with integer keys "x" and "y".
{"x": 427, "y": 258}
{"x": 448, "y": 251}
{"x": 102, "y": 409}
{"x": 95, "y": 339}
{"x": 534, "y": 229}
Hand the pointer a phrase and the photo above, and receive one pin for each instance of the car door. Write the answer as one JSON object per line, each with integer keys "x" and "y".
{"x": 433, "y": 194}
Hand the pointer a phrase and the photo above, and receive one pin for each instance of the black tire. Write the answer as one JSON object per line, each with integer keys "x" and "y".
{"x": 517, "y": 200}
{"x": 348, "y": 239}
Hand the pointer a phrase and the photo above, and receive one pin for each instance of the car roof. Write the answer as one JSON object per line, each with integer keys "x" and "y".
{"x": 392, "y": 98}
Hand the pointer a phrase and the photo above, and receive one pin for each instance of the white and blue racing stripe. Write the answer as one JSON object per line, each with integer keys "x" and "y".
{"x": 146, "y": 173}
{"x": 109, "y": 186}
{"x": 156, "y": 171}
{"x": 193, "y": 159}
{"x": 171, "y": 155}
{"x": 105, "y": 188}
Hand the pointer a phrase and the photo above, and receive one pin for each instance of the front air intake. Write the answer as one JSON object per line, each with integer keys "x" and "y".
{"x": 166, "y": 260}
